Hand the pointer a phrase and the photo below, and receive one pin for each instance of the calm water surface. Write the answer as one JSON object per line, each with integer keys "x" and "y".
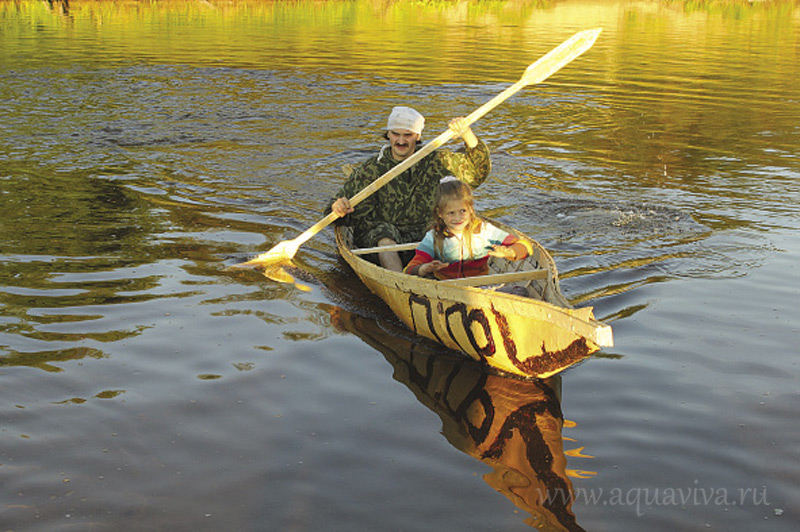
{"x": 144, "y": 148}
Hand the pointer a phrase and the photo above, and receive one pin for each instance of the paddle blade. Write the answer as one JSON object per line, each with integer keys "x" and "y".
{"x": 283, "y": 252}
{"x": 560, "y": 56}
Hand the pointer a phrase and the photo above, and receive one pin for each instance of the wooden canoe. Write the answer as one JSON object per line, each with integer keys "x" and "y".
{"x": 534, "y": 336}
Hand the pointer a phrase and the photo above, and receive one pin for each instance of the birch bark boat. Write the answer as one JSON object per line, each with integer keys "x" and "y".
{"x": 535, "y": 335}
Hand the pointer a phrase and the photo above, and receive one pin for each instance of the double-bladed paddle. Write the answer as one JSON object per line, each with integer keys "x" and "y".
{"x": 537, "y": 72}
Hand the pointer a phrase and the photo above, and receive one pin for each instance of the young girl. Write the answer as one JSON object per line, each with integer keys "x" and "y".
{"x": 460, "y": 243}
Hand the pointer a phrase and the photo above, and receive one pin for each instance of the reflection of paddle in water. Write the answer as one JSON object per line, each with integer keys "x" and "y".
{"x": 279, "y": 274}
{"x": 514, "y": 426}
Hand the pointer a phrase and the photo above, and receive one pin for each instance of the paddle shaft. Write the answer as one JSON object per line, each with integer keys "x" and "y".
{"x": 380, "y": 249}
{"x": 537, "y": 72}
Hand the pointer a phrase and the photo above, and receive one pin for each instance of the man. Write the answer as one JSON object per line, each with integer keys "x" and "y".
{"x": 400, "y": 211}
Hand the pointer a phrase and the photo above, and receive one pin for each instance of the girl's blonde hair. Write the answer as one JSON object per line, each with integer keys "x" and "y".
{"x": 450, "y": 190}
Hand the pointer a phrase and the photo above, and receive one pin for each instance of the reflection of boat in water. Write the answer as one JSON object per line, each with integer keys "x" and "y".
{"x": 512, "y": 425}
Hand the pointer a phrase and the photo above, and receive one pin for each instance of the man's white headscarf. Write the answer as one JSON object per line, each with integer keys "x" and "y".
{"x": 405, "y": 118}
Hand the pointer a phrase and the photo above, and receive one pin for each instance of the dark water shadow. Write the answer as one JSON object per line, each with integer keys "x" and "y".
{"x": 511, "y": 425}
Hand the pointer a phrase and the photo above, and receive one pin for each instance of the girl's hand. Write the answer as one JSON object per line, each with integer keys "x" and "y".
{"x": 504, "y": 252}
{"x": 430, "y": 267}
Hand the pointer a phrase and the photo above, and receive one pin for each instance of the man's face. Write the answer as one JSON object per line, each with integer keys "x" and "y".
{"x": 403, "y": 142}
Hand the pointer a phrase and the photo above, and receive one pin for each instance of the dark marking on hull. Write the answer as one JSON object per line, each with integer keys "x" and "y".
{"x": 425, "y": 303}
{"x": 467, "y": 319}
{"x": 544, "y": 363}
{"x": 535, "y": 365}
{"x": 505, "y": 333}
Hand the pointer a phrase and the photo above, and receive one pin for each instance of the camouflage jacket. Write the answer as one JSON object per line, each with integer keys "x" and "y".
{"x": 402, "y": 208}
